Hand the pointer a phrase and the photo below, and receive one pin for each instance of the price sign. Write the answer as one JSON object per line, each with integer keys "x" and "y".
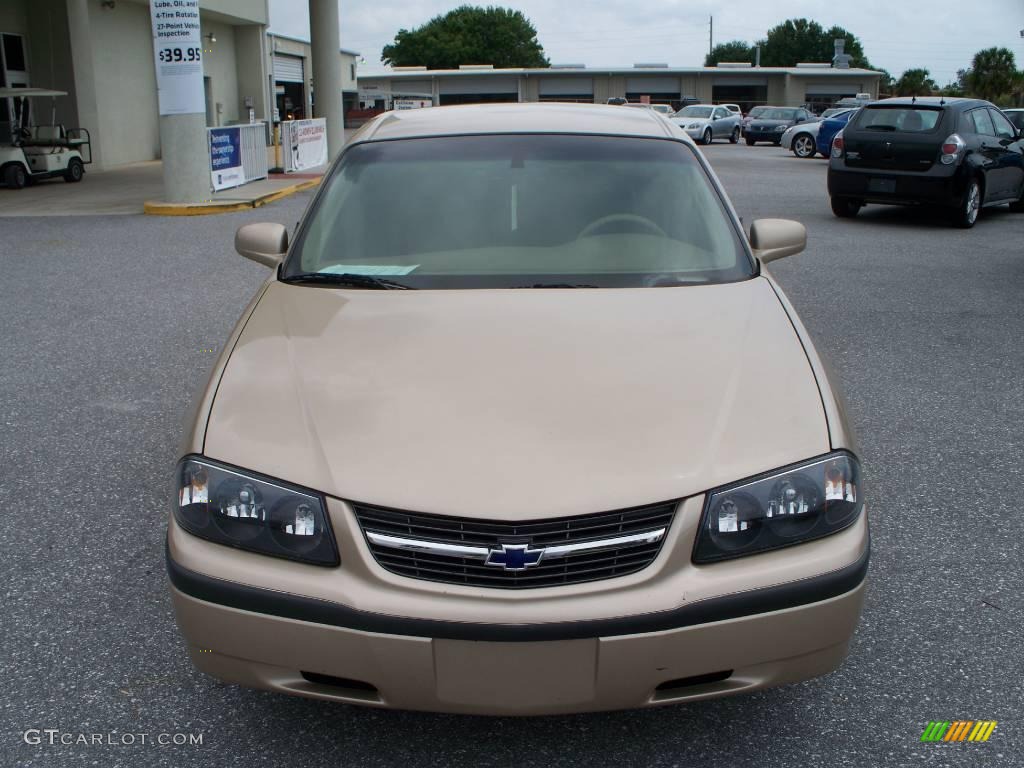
{"x": 178, "y": 55}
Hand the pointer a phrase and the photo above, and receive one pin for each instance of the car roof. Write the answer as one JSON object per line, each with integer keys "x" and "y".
{"x": 549, "y": 117}
{"x": 930, "y": 101}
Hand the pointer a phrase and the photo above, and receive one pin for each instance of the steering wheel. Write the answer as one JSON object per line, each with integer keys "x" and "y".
{"x": 624, "y": 217}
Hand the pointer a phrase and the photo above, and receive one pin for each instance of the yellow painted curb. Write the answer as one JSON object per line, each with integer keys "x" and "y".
{"x": 156, "y": 208}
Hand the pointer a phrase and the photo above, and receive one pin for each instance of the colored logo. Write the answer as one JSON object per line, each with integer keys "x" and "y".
{"x": 958, "y": 730}
{"x": 514, "y": 557}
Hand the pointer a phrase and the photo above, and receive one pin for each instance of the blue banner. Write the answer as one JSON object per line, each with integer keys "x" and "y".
{"x": 226, "y": 157}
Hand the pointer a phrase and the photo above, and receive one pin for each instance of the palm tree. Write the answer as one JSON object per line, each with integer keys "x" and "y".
{"x": 993, "y": 74}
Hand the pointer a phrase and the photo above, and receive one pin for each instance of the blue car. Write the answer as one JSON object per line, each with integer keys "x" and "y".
{"x": 829, "y": 128}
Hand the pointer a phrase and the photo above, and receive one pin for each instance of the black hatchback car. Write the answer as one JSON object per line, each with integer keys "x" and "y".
{"x": 963, "y": 154}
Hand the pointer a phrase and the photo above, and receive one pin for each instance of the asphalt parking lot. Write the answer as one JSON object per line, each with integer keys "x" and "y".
{"x": 110, "y": 322}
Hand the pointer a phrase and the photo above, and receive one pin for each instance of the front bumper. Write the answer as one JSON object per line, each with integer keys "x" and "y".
{"x": 772, "y": 136}
{"x": 525, "y": 654}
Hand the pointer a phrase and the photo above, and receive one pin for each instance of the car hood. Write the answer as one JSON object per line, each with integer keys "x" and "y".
{"x": 684, "y": 121}
{"x": 517, "y": 404}
{"x": 811, "y": 128}
{"x": 758, "y": 123}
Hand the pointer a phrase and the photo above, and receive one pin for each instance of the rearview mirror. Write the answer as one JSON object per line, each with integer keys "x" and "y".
{"x": 773, "y": 239}
{"x": 264, "y": 243}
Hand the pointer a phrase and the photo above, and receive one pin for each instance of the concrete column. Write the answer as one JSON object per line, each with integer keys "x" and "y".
{"x": 186, "y": 156}
{"x": 80, "y": 34}
{"x": 325, "y": 41}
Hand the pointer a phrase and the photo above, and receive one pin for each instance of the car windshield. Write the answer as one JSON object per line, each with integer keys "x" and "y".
{"x": 897, "y": 118}
{"x": 1017, "y": 118}
{"x": 694, "y": 112}
{"x": 834, "y": 112}
{"x": 518, "y": 211}
{"x": 757, "y": 111}
{"x": 778, "y": 114}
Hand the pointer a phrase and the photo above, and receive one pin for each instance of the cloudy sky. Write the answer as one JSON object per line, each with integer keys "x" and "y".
{"x": 941, "y": 35}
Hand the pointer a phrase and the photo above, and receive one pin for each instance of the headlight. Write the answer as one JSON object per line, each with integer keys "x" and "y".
{"x": 781, "y": 508}
{"x": 245, "y": 510}
{"x": 693, "y": 126}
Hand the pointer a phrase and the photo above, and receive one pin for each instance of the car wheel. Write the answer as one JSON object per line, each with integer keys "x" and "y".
{"x": 750, "y": 142}
{"x": 735, "y": 138}
{"x": 75, "y": 170}
{"x": 706, "y": 138}
{"x": 803, "y": 146}
{"x": 845, "y": 207}
{"x": 15, "y": 176}
{"x": 967, "y": 214}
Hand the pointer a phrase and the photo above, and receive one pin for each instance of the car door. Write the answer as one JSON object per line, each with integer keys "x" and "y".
{"x": 1011, "y": 159}
{"x": 990, "y": 152}
{"x": 720, "y": 127}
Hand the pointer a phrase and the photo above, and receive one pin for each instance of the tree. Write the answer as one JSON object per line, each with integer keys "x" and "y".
{"x": 797, "y": 40}
{"x": 468, "y": 35}
{"x": 915, "y": 82}
{"x": 737, "y": 50}
{"x": 993, "y": 74}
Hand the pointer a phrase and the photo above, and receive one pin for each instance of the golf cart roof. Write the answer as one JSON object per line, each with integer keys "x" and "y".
{"x": 8, "y": 93}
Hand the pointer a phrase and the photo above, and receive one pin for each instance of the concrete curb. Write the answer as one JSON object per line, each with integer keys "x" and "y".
{"x": 156, "y": 208}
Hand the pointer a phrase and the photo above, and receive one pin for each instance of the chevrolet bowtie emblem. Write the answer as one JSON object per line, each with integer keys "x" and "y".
{"x": 514, "y": 557}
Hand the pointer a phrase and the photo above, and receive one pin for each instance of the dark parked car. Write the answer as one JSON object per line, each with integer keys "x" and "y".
{"x": 1016, "y": 117}
{"x": 960, "y": 153}
{"x": 773, "y": 122}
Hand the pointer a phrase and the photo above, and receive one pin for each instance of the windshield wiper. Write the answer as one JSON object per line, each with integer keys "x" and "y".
{"x": 554, "y": 285}
{"x": 347, "y": 280}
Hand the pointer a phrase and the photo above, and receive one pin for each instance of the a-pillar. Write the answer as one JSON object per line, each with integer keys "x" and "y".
{"x": 325, "y": 41}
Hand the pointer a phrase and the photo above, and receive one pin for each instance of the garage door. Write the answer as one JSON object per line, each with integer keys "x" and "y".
{"x": 474, "y": 84}
{"x": 652, "y": 85}
{"x": 566, "y": 86}
{"x": 288, "y": 69}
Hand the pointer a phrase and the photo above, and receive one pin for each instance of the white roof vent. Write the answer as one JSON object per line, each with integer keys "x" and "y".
{"x": 734, "y": 65}
{"x": 476, "y": 66}
{"x": 813, "y": 65}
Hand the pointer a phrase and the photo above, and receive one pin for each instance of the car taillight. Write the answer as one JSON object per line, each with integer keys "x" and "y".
{"x": 952, "y": 148}
{"x": 838, "y": 146}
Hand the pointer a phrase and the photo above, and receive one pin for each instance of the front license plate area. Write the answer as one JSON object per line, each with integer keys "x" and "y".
{"x": 515, "y": 676}
{"x": 885, "y": 186}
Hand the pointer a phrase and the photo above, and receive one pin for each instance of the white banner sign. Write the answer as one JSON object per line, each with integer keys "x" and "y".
{"x": 305, "y": 143}
{"x": 178, "y": 53}
{"x": 413, "y": 103}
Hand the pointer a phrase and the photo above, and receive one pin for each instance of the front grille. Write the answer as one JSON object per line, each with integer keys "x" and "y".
{"x": 549, "y": 572}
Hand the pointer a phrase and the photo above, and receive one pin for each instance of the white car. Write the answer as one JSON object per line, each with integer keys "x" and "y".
{"x": 734, "y": 108}
{"x": 802, "y": 138}
{"x": 706, "y": 122}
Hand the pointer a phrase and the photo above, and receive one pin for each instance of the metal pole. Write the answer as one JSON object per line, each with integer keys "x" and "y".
{"x": 711, "y": 35}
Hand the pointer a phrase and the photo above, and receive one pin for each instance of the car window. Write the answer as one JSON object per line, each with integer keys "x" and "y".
{"x": 1017, "y": 118}
{"x": 1003, "y": 128}
{"x": 897, "y": 118}
{"x": 519, "y": 211}
{"x": 779, "y": 114}
{"x": 980, "y": 122}
{"x": 720, "y": 113}
{"x": 694, "y": 112}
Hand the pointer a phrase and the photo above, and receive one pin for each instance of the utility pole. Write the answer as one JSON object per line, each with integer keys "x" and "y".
{"x": 711, "y": 34}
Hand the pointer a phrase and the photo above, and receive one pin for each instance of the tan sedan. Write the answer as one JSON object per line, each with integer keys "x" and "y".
{"x": 520, "y": 424}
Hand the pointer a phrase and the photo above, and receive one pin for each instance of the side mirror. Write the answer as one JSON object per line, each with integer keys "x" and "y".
{"x": 264, "y": 243}
{"x": 773, "y": 239}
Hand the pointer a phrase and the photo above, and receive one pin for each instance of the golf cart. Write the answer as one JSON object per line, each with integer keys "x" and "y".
{"x": 41, "y": 151}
